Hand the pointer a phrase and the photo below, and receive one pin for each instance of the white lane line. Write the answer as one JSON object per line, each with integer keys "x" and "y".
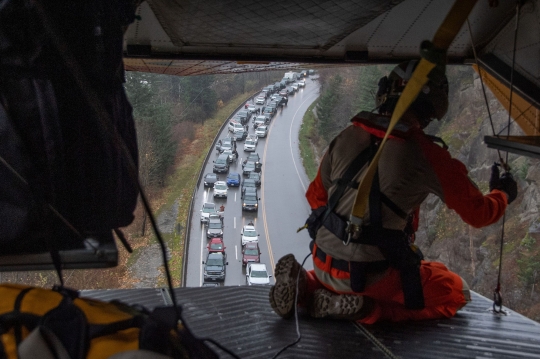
{"x": 235, "y": 196}
{"x": 236, "y": 251}
{"x": 202, "y": 250}
{"x": 234, "y": 219}
{"x": 290, "y": 143}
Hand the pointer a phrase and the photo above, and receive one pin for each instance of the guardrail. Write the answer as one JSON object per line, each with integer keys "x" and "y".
{"x": 201, "y": 171}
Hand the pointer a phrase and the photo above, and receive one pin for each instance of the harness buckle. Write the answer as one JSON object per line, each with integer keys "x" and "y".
{"x": 354, "y": 227}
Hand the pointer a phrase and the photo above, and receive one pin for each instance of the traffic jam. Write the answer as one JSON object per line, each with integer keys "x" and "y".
{"x": 245, "y": 130}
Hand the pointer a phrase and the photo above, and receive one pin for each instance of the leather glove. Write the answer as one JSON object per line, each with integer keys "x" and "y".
{"x": 494, "y": 180}
{"x": 509, "y": 186}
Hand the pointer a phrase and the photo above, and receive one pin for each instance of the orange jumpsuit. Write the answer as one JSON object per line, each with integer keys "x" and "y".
{"x": 411, "y": 167}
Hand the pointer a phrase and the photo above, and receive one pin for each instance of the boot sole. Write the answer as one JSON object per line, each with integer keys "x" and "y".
{"x": 338, "y": 306}
{"x": 282, "y": 294}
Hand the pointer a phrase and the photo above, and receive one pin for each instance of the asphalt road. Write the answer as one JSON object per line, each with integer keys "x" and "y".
{"x": 282, "y": 208}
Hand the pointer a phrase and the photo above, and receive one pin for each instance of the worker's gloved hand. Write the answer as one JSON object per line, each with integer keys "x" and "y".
{"x": 509, "y": 186}
{"x": 505, "y": 183}
{"x": 494, "y": 180}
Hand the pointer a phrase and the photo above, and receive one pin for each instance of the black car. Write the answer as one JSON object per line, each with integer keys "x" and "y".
{"x": 270, "y": 112}
{"x": 221, "y": 164}
{"x": 215, "y": 266}
{"x": 243, "y": 119}
{"x": 284, "y": 93}
{"x": 210, "y": 179}
{"x": 256, "y": 176}
{"x": 252, "y": 157}
{"x": 248, "y": 183}
{"x": 250, "y": 202}
{"x": 244, "y": 114}
{"x": 240, "y": 135}
{"x": 215, "y": 227}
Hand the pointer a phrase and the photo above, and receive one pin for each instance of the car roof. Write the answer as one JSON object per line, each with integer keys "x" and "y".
{"x": 249, "y": 228}
{"x": 221, "y": 155}
{"x": 216, "y": 240}
{"x": 220, "y": 182}
{"x": 251, "y": 190}
{"x": 254, "y": 245}
{"x": 209, "y": 205}
{"x": 210, "y": 175}
{"x": 261, "y": 126}
{"x": 258, "y": 266}
{"x": 215, "y": 254}
{"x": 251, "y": 173}
{"x": 249, "y": 180}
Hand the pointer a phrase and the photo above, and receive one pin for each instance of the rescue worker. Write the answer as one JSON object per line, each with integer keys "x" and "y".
{"x": 380, "y": 274}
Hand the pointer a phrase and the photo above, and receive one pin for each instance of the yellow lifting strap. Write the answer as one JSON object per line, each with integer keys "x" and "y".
{"x": 433, "y": 55}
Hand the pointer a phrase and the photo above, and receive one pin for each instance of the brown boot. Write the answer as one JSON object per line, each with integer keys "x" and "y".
{"x": 282, "y": 294}
{"x": 340, "y": 306}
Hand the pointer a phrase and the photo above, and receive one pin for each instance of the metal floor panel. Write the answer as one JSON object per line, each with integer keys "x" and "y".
{"x": 241, "y": 319}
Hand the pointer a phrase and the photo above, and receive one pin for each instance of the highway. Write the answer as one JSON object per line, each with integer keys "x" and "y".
{"x": 282, "y": 208}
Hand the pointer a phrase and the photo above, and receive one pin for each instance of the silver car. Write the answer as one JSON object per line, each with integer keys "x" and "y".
{"x": 261, "y": 131}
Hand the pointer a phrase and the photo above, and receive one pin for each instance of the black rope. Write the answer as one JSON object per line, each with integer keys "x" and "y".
{"x": 497, "y": 297}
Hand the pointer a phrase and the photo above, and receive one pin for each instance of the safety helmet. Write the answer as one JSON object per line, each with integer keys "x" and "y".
{"x": 431, "y": 102}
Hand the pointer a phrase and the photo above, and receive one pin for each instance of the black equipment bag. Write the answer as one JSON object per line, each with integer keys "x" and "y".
{"x": 68, "y": 149}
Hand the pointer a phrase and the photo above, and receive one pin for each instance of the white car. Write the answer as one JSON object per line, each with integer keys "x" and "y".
{"x": 259, "y": 121}
{"x": 250, "y": 145}
{"x": 235, "y": 126}
{"x": 256, "y": 274}
{"x": 249, "y": 235}
{"x": 260, "y": 100}
{"x": 261, "y": 131}
{"x": 206, "y": 210}
{"x": 220, "y": 189}
{"x": 302, "y": 83}
{"x": 295, "y": 86}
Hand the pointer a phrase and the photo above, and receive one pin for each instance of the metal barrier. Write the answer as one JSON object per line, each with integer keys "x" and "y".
{"x": 190, "y": 210}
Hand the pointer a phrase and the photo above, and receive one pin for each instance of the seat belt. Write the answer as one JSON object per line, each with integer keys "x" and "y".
{"x": 432, "y": 62}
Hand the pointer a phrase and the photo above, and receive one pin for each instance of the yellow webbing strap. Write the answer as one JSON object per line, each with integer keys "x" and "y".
{"x": 442, "y": 40}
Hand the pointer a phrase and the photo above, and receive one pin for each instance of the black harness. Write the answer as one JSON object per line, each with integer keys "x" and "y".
{"x": 395, "y": 245}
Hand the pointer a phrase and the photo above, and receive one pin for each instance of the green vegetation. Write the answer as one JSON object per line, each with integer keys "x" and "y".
{"x": 307, "y": 152}
{"x": 184, "y": 179}
{"x": 529, "y": 263}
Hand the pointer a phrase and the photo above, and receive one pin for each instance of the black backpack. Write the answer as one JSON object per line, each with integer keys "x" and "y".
{"x": 68, "y": 149}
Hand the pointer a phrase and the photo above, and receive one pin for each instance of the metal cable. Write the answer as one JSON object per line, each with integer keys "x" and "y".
{"x": 482, "y": 81}
{"x": 376, "y": 341}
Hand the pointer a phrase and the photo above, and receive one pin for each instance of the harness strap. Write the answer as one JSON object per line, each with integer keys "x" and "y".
{"x": 399, "y": 253}
{"x": 345, "y": 266}
{"x": 346, "y": 180}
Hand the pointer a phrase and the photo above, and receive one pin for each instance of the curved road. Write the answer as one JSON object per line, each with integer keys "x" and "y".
{"x": 282, "y": 208}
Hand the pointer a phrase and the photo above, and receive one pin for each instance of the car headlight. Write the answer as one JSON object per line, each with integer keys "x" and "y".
{"x": 256, "y": 205}
{"x": 205, "y": 182}
{"x": 243, "y": 204}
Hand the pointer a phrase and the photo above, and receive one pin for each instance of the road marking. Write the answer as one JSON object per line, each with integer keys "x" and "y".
{"x": 236, "y": 251}
{"x": 290, "y": 143}
{"x": 202, "y": 250}
{"x": 265, "y": 225}
{"x": 234, "y": 219}
{"x": 235, "y": 196}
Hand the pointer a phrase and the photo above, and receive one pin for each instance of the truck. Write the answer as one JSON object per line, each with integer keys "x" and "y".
{"x": 291, "y": 75}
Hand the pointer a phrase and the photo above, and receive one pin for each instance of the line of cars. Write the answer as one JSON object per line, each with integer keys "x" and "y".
{"x": 249, "y": 180}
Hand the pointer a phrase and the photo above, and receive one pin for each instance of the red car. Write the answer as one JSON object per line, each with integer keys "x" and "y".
{"x": 216, "y": 245}
{"x": 251, "y": 253}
